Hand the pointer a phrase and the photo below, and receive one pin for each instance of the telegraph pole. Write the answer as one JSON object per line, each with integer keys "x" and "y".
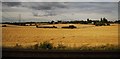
{"x": 19, "y": 18}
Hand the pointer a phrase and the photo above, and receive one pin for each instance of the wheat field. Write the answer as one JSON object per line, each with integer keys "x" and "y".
{"x": 83, "y": 35}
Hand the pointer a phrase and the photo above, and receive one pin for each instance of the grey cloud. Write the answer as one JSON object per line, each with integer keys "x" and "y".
{"x": 11, "y": 0}
{"x": 77, "y": 6}
{"x": 57, "y": 8}
{"x": 48, "y": 7}
{"x": 66, "y": 7}
{"x": 61, "y": 0}
{"x": 10, "y": 4}
{"x": 119, "y": 10}
{"x": 94, "y": 7}
{"x": 43, "y": 5}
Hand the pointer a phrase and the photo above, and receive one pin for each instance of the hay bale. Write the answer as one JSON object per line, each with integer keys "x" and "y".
{"x": 4, "y": 25}
{"x": 70, "y": 26}
{"x": 46, "y": 26}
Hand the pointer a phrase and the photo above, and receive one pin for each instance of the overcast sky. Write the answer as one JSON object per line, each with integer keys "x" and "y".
{"x": 60, "y": 0}
{"x": 47, "y": 11}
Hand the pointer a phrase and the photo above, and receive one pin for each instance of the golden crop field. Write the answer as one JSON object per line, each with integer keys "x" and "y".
{"x": 82, "y": 35}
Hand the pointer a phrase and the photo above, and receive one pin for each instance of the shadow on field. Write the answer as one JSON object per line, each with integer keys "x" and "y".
{"x": 47, "y": 50}
{"x": 28, "y": 53}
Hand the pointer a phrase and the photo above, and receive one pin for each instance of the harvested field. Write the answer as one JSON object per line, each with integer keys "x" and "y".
{"x": 82, "y": 35}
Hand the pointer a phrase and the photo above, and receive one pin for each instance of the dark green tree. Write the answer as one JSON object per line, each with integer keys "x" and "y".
{"x": 89, "y": 21}
{"x": 52, "y": 22}
{"x": 105, "y": 20}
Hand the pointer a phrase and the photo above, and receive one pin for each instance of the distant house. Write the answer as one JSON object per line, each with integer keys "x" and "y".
{"x": 100, "y": 23}
{"x": 70, "y": 26}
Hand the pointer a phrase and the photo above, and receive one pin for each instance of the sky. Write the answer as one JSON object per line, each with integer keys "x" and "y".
{"x": 60, "y": 0}
{"x": 47, "y": 11}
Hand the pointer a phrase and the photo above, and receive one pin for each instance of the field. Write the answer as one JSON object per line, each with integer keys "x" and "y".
{"x": 83, "y": 35}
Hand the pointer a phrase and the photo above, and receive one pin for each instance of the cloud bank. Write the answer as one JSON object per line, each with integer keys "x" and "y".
{"x": 63, "y": 10}
{"x": 60, "y": 0}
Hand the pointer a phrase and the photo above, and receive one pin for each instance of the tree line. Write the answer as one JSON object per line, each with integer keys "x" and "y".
{"x": 101, "y": 21}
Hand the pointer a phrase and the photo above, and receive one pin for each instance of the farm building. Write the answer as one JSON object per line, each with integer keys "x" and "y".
{"x": 45, "y": 26}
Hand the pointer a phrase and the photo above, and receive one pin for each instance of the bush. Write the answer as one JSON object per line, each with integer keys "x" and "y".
{"x": 102, "y": 24}
{"x": 99, "y": 24}
{"x": 107, "y": 47}
{"x": 18, "y": 46}
{"x": 36, "y": 46}
{"x": 108, "y": 24}
{"x": 46, "y": 45}
{"x": 85, "y": 47}
{"x": 4, "y": 26}
{"x": 60, "y": 46}
{"x": 70, "y": 26}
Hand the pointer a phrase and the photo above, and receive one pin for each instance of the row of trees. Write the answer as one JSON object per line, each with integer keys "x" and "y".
{"x": 88, "y": 21}
{"x": 100, "y": 22}
{"x": 103, "y": 20}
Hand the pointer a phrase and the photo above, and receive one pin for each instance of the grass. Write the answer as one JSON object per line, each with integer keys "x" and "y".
{"x": 49, "y": 46}
{"x": 107, "y": 47}
{"x": 28, "y": 37}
